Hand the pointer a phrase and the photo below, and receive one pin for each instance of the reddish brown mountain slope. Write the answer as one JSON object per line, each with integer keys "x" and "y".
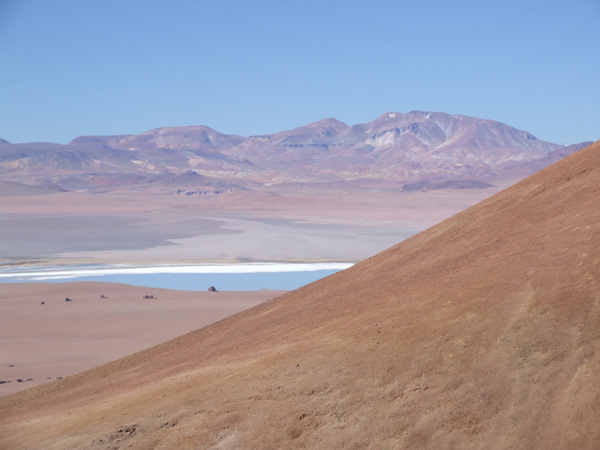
{"x": 481, "y": 332}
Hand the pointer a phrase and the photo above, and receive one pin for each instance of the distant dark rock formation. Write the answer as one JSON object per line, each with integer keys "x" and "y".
{"x": 445, "y": 184}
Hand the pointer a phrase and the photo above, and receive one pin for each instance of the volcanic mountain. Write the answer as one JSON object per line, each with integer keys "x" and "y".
{"x": 480, "y": 332}
{"x": 417, "y": 147}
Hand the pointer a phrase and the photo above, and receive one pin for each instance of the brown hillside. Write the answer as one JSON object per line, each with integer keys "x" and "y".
{"x": 481, "y": 332}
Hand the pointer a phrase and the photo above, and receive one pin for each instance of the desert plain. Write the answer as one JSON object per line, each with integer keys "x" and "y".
{"x": 101, "y": 322}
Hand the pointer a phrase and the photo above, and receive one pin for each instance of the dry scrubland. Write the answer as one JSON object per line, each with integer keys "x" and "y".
{"x": 481, "y": 332}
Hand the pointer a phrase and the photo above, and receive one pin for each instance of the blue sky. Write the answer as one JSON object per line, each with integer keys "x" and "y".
{"x": 71, "y": 68}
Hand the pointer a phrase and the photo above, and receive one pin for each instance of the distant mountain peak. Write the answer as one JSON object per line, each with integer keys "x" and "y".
{"x": 329, "y": 122}
{"x": 180, "y": 130}
{"x": 403, "y": 148}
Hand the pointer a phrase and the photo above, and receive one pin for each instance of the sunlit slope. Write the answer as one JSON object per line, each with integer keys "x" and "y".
{"x": 481, "y": 332}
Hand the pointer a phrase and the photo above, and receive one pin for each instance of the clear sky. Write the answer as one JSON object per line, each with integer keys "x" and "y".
{"x": 71, "y": 68}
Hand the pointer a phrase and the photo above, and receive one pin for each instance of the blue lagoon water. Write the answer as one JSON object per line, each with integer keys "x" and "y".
{"x": 234, "y": 277}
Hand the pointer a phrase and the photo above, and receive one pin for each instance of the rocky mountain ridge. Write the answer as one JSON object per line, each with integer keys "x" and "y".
{"x": 417, "y": 147}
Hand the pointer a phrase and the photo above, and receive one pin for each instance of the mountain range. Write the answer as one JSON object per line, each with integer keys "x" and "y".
{"x": 480, "y": 332}
{"x": 416, "y": 150}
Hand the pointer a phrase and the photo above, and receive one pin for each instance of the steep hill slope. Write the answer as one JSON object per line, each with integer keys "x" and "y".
{"x": 481, "y": 332}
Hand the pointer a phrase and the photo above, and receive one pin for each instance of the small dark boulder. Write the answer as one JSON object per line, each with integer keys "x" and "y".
{"x": 212, "y": 289}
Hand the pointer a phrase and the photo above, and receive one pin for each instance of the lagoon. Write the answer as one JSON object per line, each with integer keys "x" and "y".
{"x": 226, "y": 277}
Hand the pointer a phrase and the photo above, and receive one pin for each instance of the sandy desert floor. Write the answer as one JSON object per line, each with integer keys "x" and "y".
{"x": 40, "y": 343}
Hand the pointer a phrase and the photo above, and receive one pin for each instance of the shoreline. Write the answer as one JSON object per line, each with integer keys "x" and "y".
{"x": 59, "y": 261}
{"x": 45, "y": 273}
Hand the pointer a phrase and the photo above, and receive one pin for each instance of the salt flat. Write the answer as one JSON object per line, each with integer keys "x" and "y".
{"x": 69, "y": 228}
